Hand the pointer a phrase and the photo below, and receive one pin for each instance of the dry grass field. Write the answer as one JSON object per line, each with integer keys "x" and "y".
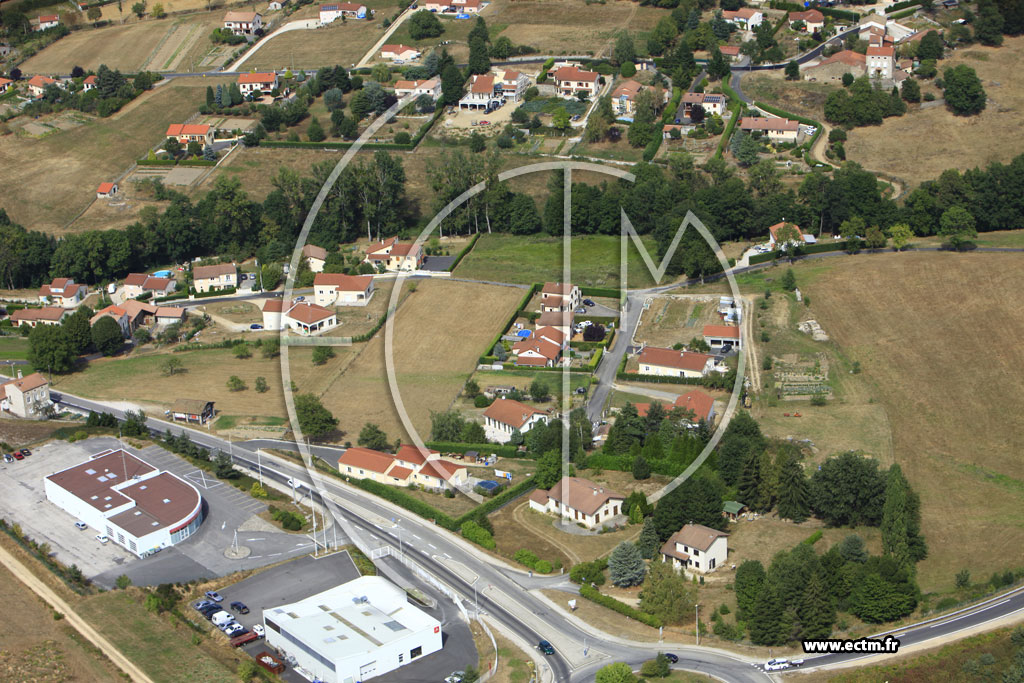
{"x": 799, "y": 97}
{"x": 57, "y": 175}
{"x": 125, "y": 47}
{"x": 965, "y": 142}
{"x": 339, "y": 43}
{"x": 941, "y": 352}
{"x": 673, "y": 319}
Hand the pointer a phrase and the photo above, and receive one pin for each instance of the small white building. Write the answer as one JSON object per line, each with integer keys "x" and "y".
{"x": 259, "y": 82}
{"x": 309, "y": 318}
{"x": 696, "y": 548}
{"x": 514, "y": 84}
{"x": 399, "y": 52}
{"x": 334, "y": 289}
{"x": 717, "y": 336}
{"x": 243, "y": 23}
{"x": 63, "y": 292}
{"x": 504, "y": 416}
{"x": 579, "y": 500}
{"x": 106, "y": 190}
{"x": 482, "y": 94}
{"x": 48, "y": 21}
{"x": 272, "y": 312}
{"x": 430, "y": 87}
{"x": 47, "y": 315}
{"x": 353, "y": 632}
{"x": 329, "y": 13}
{"x": 316, "y": 257}
{"x": 662, "y": 362}
{"x": 745, "y": 17}
{"x": 777, "y": 129}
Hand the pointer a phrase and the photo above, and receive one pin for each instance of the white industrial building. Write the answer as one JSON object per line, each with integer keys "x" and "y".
{"x": 353, "y": 632}
{"x": 134, "y": 504}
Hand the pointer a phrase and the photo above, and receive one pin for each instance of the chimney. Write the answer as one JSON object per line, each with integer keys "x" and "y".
{"x": 19, "y": 373}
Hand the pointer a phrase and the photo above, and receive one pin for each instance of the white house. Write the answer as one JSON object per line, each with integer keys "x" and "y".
{"x": 119, "y": 315}
{"x": 537, "y": 352}
{"x": 654, "y": 360}
{"x": 47, "y": 315}
{"x": 404, "y": 257}
{"x": 63, "y": 292}
{"x": 702, "y": 405}
{"x": 696, "y": 548}
{"x": 37, "y": 85}
{"x": 570, "y": 80}
{"x": 26, "y": 397}
{"x": 745, "y": 17}
{"x": 431, "y": 87}
{"x": 880, "y": 61}
{"x": 713, "y": 104}
{"x": 316, "y": 257}
{"x": 396, "y": 52}
{"x": 257, "y": 83}
{"x": 220, "y": 276}
{"x": 191, "y": 132}
{"x": 136, "y": 284}
{"x": 773, "y": 235}
{"x": 504, "y": 416}
{"x": 580, "y": 501}
{"x": 334, "y": 289}
{"x": 273, "y": 309}
{"x": 717, "y": 336}
{"x": 777, "y": 129}
{"x": 481, "y": 94}
{"x": 562, "y": 321}
{"x": 514, "y": 84}
{"x": 243, "y": 23}
{"x": 5, "y": 83}
{"x": 329, "y": 13}
{"x": 48, "y": 21}
{"x": 353, "y": 632}
{"x": 558, "y": 296}
{"x": 309, "y": 318}
{"x": 410, "y": 465}
{"x": 813, "y": 20}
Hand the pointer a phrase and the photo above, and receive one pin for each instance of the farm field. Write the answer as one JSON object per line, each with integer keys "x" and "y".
{"x": 966, "y": 142}
{"x": 804, "y": 98}
{"x": 74, "y": 162}
{"x": 676, "y": 319}
{"x": 125, "y": 47}
{"x": 926, "y": 364}
{"x": 439, "y": 333}
{"x": 339, "y": 43}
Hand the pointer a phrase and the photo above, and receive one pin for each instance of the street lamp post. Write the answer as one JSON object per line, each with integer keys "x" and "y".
{"x": 696, "y": 609}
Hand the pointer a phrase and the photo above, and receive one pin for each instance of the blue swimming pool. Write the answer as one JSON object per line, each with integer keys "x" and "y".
{"x": 488, "y": 485}
{"x": 162, "y": 273}
{"x": 524, "y": 333}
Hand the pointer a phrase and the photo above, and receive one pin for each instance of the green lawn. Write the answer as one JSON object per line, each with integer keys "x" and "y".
{"x": 13, "y": 348}
{"x": 525, "y": 260}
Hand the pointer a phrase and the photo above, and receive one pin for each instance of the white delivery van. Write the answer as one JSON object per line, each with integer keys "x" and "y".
{"x": 221, "y": 618}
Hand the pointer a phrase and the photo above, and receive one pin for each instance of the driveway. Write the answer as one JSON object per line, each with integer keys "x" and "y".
{"x": 438, "y": 264}
{"x": 303, "y": 24}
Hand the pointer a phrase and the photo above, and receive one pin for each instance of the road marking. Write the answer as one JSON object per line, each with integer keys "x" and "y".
{"x": 971, "y": 614}
{"x": 255, "y": 539}
{"x": 273, "y": 554}
{"x": 432, "y": 546}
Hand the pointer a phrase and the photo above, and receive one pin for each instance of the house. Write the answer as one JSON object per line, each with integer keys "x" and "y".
{"x": 702, "y": 405}
{"x": 379, "y": 252}
{"x": 136, "y": 284}
{"x": 399, "y": 52}
{"x": 481, "y": 94}
{"x": 89, "y": 83}
{"x": 47, "y": 315}
{"x": 26, "y": 397}
{"x": 730, "y": 52}
{"x": 562, "y": 321}
{"x": 570, "y": 80}
{"x": 558, "y": 296}
{"x": 713, "y": 104}
{"x": 437, "y": 6}
{"x": 315, "y": 257}
{"x": 813, "y": 20}
{"x": 717, "y": 336}
{"x": 536, "y": 352}
{"x": 661, "y": 362}
{"x": 579, "y": 500}
{"x": 119, "y": 315}
{"x": 191, "y": 132}
{"x": 138, "y": 312}
{"x": 440, "y": 474}
{"x": 63, "y": 292}
{"x": 48, "y": 21}
{"x": 505, "y": 416}
{"x": 406, "y": 257}
{"x": 335, "y": 289}
{"x": 682, "y": 128}
{"x": 220, "y": 276}
{"x": 243, "y": 23}
{"x": 833, "y": 68}
{"x": 696, "y": 548}
{"x": 552, "y": 335}
{"x": 869, "y": 23}
{"x": 366, "y": 463}
{"x": 329, "y": 13}
{"x": 261, "y": 82}
{"x": 409, "y": 466}
{"x": 466, "y": 6}
{"x": 745, "y": 17}
{"x": 272, "y": 310}
{"x": 192, "y": 410}
{"x": 37, "y": 85}
{"x": 106, "y": 190}
{"x": 880, "y": 61}
{"x": 431, "y": 87}
{"x": 773, "y": 235}
{"x": 276, "y": 5}
{"x": 5, "y": 83}
{"x": 308, "y": 318}
{"x": 732, "y": 510}
{"x": 624, "y": 97}
{"x": 169, "y": 315}
{"x": 777, "y": 129}
{"x": 514, "y": 84}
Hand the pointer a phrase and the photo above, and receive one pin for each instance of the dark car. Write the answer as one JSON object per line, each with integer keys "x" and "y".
{"x": 673, "y": 659}
{"x": 239, "y": 607}
{"x": 726, "y": 348}
{"x": 210, "y": 610}
{"x": 545, "y": 647}
{"x": 255, "y": 326}
{"x": 25, "y": 452}
{"x": 588, "y": 302}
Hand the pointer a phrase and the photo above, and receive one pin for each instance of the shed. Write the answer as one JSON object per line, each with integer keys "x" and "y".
{"x": 192, "y": 410}
{"x": 732, "y": 509}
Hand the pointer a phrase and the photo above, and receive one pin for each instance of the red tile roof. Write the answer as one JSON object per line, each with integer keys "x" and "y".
{"x": 847, "y": 57}
{"x": 27, "y": 383}
{"x": 563, "y": 288}
{"x": 407, "y": 452}
{"x": 643, "y": 408}
{"x": 696, "y": 536}
{"x": 105, "y": 188}
{"x": 180, "y": 130}
{"x": 257, "y": 78}
{"x": 343, "y": 283}
{"x": 582, "y": 494}
{"x": 722, "y": 331}
{"x": 273, "y": 306}
{"x": 313, "y": 251}
{"x": 541, "y": 346}
{"x": 511, "y": 413}
{"x": 881, "y": 51}
{"x": 670, "y": 358}
{"x": 41, "y": 81}
{"x": 381, "y": 246}
{"x": 697, "y": 401}
{"x": 730, "y": 50}
{"x": 761, "y": 123}
{"x": 483, "y": 85}
{"x": 774, "y": 230}
{"x": 44, "y": 313}
{"x": 367, "y": 459}
{"x": 627, "y": 89}
{"x": 309, "y": 313}
{"x": 573, "y": 73}
{"x": 400, "y": 472}
{"x": 397, "y": 49}
{"x": 812, "y": 16}
{"x": 742, "y": 13}
{"x": 442, "y": 469}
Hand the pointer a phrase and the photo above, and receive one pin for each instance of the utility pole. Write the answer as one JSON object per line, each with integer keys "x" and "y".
{"x": 314, "y": 528}
{"x": 696, "y": 622}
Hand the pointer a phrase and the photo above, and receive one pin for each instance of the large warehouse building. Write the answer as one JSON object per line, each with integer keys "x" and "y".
{"x": 136, "y": 505}
{"x": 353, "y": 632}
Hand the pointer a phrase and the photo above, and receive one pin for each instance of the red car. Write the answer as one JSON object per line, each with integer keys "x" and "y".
{"x": 18, "y": 456}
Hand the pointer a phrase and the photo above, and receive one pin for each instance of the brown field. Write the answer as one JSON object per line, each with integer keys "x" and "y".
{"x": 514, "y": 665}
{"x": 803, "y": 98}
{"x": 339, "y": 43}
{"x": 18, "y": 433}
{"x": 440, "y": 331}
{"x": 672, "y": 319}
{"x": 74, "y": 162}
{"x": 966, "y": 142}
{"x": 940, "y": 373}
{"x": 125, "y": 47}
{"x": 235, "y": 311}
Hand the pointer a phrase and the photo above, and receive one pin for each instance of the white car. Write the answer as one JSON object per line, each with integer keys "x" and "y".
{"x": 258, "y": 630}
{"x": 102, "y": 538}
{"x": 776, "y": 664}
{"x": 295, "y": 484}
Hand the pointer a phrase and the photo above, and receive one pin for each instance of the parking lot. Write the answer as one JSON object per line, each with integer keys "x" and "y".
{"x": 203, "y": 555}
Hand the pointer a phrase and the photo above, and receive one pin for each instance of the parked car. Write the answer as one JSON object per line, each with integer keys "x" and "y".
{"x": 102, "y": 538}
{"x": 239, "y": 607}
{"x": 25, "y": 452}
{"x": 235, "y": 629}
{"x": 300, "y": 298}
{"x": 672, "y": 659}
{"x": 581, "y": 310}
{"x": 588, "y": 302}
{"x": 210, "y": 610}
{"x": 215, "y": 596}
{"x": 82, "y": 526}
{"x": 726, "y": 348}
{"x": 545, "y": 647}
{"x": 454, "y": 677}
{"x": 55, "y": 397}
{"x": 258, "y": 630}
{"x": 201, "y": 604}
{"x": 17, "y": 455}
{"x": 295, "y": 484}
{"x": 575, "y": 117}
{"x": 220, "y": 618}
{"x": 8, "y": 457}
{"x": 255, "y": 326}
{"x": 776, "y": 664}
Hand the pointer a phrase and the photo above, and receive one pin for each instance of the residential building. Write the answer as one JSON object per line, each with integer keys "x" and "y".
{"x": 106, "y": 190}
{"x": 713, "y": 104}
{"x": 730, "y": 52}
{"x": 119, "y": 315}
{"x": 89, "y": 83}
{"x": 329, "y": 13}
{"x": 406, "y": 257}
{"x": 624, "y": 97}
{"x": 409, "y": 466}
{"x": 334, "y": 289}
{"x": 661, "y": 362}
{"x": 276, "y": 5}
{"x": 505, "y": 416}
{"x": 136, "y": 284}
{"x": 131, "y": 502}
{"x": 559, "y": 296}
{"x": 196, "y": 411}
{"x": 571, "y": 80}
{"x": 440, "y": 474}
{"x": 272, "y": 312}
{"x": 169, "y": 315}
{"x": 48, "y": 21}
{"x": 431, "y": 87}
{"x": 243, "y": 23}
{"x": 717, "y": 336}
{"x": 139, "y": 312}
{"x": 701, "y": 404}
{"x": 813, "y": 20}
{"x": 25, "y": 397}
{"x": 579, "y": 500}
{"x": 353, "y": 632}
{"x": 537, "y": 352}
{"x": 315, "y": 257}
{"x": 191, "y": 132}
{"x": 773, "y": 235}
{"x": 835, "y": 67}
{"x": 880, "y": 61}
{"x": 481, "y": 94}
{"x": 399, "y": 52}
{"x": 63, "y": 292}
{"x": 437, "y": 6}
{"x": 466, "y": 6}
{"x": 514, "y": 84}
{"x": 37, "y": 85}
{"x": 745, "y": 17}
{"x": 47, "y": 315}
{"x": 777, "y": 129}
{"x": 379, "y": 252}
{"x": 559, "y": 320}
{"x": 209, "y": 278}
{"x": 552, "y": 335}
{"x": 696, "y": 548}
{"x": 263, "y": 83}
{"x": 5, "y": 83}
{"x": 308, "y": 318}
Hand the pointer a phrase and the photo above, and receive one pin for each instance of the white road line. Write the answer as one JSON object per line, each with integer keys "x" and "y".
{"x": 971, "y": 614}
{"x": 255, "y": 539}
{"x": 274, "y": 554}
{"x": 432, "y": 546}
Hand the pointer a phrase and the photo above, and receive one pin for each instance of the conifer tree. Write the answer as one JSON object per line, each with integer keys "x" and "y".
{"x": 816, "y": 612}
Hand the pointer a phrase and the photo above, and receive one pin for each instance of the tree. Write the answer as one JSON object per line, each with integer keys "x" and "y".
{"x": 816, "y": 611}
{"x": 210, "y": 101}
{"x": 539, "y": 390}
{"x": 852, "y": 549}
{"x": 322, "y": 354}
{"x": 172, "y": 147}
{"x": 560, "y": 119}
{"x": 78, "y": 330}
{"x": 718, "y": 68}
{"x": 930, "y": 46}
{"x": 451, "y": 84}
{"x": 648, "y": 542}
{"x": 261, "y": 385}
{"x": 270, "y": 347}
{"x": 158, "y": 11}
{"x": 911, "y": 91}
{"x": 750, "y": 577}
{"x": 656, "y": 668}
{"x": 549, "y": 470}
{"x": 107, "y": 336}
{"x": 241, "y": 350}
{"x": 624, "y": 50}
{"x": 171, "y": 366}
{"x": 315, "y": 132}
{"x": 874, "y": 238}
{"x": 963, "y": 578}
{"x": 424, "y": 24}
{"x": 963, "y": 92}
{"x": 49, "y": 349}
{"x": 314, "y": 420}
{"x": 957, "y": 223}
{"x": 94, "y": 14}
{"x": 139, "y": 9}
{"x": 901, "y": 235}
{"x": 792, "y": 71}
{"x": 788, "y": 279}
{"x": 666, "y": 594}
{"x": 626, "y": 566}
{"x": 766, "y": 617}
{"x": 372, "y": 436}
{"x": 848, "y": 79}
{"x": 235, "y": 383}
{"x": 989, "y": 24}
{"x": 848, "y": 490}
{"x": 479, "y": 62}
{"x": 477, "y": 142}
{"x": 641, "y": 468}
{"x": 615, "y": 673}
{"x": 794, "y": 492}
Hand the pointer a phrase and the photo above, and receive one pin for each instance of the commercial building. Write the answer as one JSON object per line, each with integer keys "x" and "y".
{"x": 134, "y": 504}
{"x": 353, "y": 632}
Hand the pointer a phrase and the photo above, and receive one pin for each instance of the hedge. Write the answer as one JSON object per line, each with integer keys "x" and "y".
{"x": 476, "y": 533}
{"x": 670, "y": 111}
{"x": 839, "y": 14}
{"x": 425, "y": 128}
{"x": 172, "y": 297}
{"x": 376, "y": 328}
{"x": 403, "y": 499}
{"x": 216, "y": 292}
{"x": 787, "y": 6}
{"x": 733, "y": 120}
{"x": 497, "y": 338}
{"x": 819, "y": 248}
{"x": 465, "y": 250}
{"x": 333, "y": 145}
{"x": 594, "y": 595}
{"x": 509, "y": 494}
{"x": 595, "y": 359}
{"x": 601, "y": 291}
{"x": 896, "y": 7}
{"x": 651, "y": 150}
{"x": 904, "y": 13}
{"x": 544, "y": 70}
{"x": 623, "y": 463}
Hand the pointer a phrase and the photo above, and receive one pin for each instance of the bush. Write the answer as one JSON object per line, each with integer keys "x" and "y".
{"x": 477, "y": 534}
{"x": 526, "y": 557}
{"x": 594, "y": 595}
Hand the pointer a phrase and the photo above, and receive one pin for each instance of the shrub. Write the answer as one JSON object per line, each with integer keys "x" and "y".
{"x": 526, "y": 557}
{"x": 594, "y": 595}
{"x": 477, "y": 534}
